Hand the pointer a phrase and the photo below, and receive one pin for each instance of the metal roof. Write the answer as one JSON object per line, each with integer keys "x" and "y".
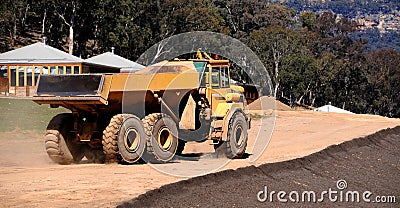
{"x": 38, "y": 53}
{"x": 110, "y": 59}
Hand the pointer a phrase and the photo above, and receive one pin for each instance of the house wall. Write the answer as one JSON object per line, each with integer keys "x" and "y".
{"x": 3, "y": 86}
{"x": 22, "y": 78}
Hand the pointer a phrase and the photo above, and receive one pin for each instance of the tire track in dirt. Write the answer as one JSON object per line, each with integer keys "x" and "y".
{"x": 371, "y": 163}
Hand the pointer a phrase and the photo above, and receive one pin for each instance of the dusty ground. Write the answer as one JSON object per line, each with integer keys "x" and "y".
{"x": 365, "y": 165}
{"x": 28, "y": 178}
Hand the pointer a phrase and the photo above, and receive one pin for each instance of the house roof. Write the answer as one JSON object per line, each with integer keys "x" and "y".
{"x": 113, "y": 60}
{"x": 38, "y": 53}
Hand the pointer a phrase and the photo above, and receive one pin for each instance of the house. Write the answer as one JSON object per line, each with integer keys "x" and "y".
{"x": 20, "y": 68}
{"x": 113, "y": 60}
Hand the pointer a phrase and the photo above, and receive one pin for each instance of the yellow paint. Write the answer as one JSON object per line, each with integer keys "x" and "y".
{"x": 232, "y": 97}
{"x": 217, "y": 96}
{"x": 106, "y": 88}
{"x": 25, "y": 77}
{"x": 17, "y": 76}
{"x": 224, "y": 108}
{"x": 9, "y": 75}
{"x": 237, "y": 88}
{"x": 154, "y": 82}
{"x": 33, "y": 75}
{"x": 227, "y": 118}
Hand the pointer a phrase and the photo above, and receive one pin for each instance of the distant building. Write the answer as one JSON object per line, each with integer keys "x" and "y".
{"x": 111, "y": 59}
{"x": 20, "y": 68}
{"x": 331, "y": 108}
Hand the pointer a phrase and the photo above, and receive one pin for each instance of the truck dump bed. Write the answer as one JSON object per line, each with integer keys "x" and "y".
{"x": 53, "y": 89}
{"x": 95, "y": 89}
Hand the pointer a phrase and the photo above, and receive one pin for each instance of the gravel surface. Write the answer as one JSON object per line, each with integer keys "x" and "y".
{"x": 369, "y": 166}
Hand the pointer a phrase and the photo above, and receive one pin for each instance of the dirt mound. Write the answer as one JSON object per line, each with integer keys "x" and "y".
{"x": 266, "y": 102}
{"x": 369, "y": 164}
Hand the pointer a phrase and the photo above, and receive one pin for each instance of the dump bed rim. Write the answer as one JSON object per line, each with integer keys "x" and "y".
{"x": 43, "y": 99}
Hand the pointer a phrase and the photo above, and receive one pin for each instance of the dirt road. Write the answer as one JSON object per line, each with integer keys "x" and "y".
{"x": 29, "y": 178}
{"x": 363, "y": 172}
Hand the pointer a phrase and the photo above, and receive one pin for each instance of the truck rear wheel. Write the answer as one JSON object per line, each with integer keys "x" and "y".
{"x": 110, "y": 139}
{"x": 124, "y": 139}
{"x": 131, "y": 139}
{"x": 59, "y": 141}
{"x": 162, "y": 137}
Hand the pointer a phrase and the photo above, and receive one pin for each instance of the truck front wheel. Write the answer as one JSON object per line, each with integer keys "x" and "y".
{"x": 237, "y": 136}
{"x": 236, "y": 143}
{"x": 59, "y": 141}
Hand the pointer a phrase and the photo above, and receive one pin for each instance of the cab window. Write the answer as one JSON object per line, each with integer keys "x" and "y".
{"x": 215, "y": 77}
{"x": 204, "y": 79}
{"x": 224, "y": 77}
{"x": 219, "y": 77}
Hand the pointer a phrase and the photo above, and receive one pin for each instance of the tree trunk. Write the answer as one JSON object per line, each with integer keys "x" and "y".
{"x": 71, "y": 29}
{"x": 13, "y": 33}
{"x": 71, "y": 40}
{"x": 276, "y": 57}
{"x": 23, "y": 21}
{"x": 70, "y": 24}
{"x": 276, "y": 88}
{"x": 44, "y": 21}
{"x": 11, "y": 38}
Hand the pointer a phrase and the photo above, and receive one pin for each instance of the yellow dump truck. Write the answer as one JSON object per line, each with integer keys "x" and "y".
{"x": 149, "y": 114}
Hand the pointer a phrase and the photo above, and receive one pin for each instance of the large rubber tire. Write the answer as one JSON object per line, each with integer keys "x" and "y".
{"x": 124, "y": 139}
{"x": 162, "y": 137}
{"x": 237, "y": 136}
{"x": 110, "y": 139}
{"x": 59, "y": 141}
{"x": 236, "y": 143}
{"x": 132, "y": 139}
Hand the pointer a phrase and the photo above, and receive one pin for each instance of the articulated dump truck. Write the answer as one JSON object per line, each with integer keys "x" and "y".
{"x": 149, "y": 114}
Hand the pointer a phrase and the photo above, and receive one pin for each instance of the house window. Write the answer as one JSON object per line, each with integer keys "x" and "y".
{"x": 13, "y": 71}
{"x": 45, "y": 70}
{"x": 76, "y": 69}
{"x": 21, "y": 78}
{"x": 60, "y": 70}
{"x": 53, "y": 70}
{"x": 68, "y": 70}
{"x": 3, "y": 72}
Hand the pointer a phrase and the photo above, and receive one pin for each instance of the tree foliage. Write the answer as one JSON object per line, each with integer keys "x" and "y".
{"x": 312, "y": 58}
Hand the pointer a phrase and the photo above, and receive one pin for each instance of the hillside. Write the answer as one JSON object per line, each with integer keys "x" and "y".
{"x": 378, "y": 21}
{"x": 312, "y": 56}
